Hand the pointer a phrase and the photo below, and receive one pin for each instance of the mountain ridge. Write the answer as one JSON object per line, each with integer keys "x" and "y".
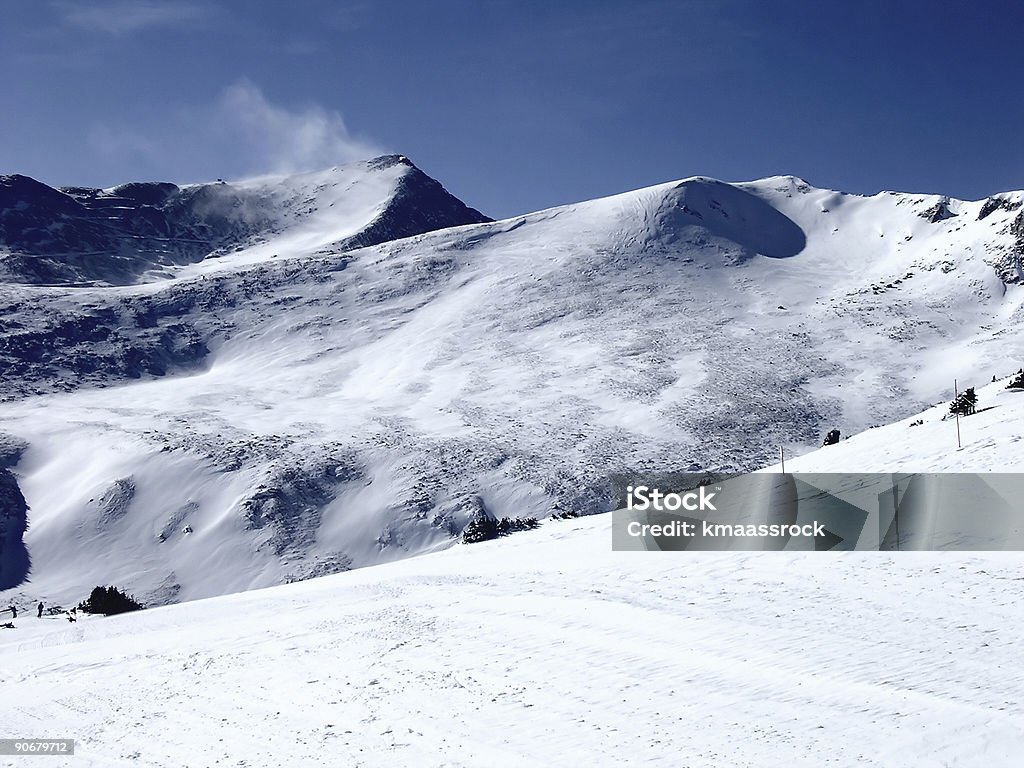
{"x": 82, "y": 235}
{"x": 302, "y": 407}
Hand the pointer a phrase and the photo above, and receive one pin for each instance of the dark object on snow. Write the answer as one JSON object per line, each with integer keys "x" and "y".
{"x": 832, "y": 437}
{"x": 39, "y": 613}
{"x": 14, "y": 558}
{"x": 14, "y": 611}
{"x": 485, "y": 527}
{"x": 965, "y": 403}
{"x": 109, "y": 601}
{"x": 938, "y": 212}
{"x": 564, "y": 515}
{"x": 1017, "y": 382}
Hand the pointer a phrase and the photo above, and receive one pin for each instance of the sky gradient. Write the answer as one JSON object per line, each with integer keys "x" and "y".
{"x": 517, "y": 106}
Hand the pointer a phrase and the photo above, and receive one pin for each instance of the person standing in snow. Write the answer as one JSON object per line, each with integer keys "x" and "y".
{"x": 14, "y": 611}
{"x": 39, "y": 615}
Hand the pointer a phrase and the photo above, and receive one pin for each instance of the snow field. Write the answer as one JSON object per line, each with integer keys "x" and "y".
{"x": 548, "y": 649}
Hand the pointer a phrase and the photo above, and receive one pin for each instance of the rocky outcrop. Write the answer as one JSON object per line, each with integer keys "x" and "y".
{"x": 1017, "y": 230}
{"x": 993, "y": 204}
{"x": 14, "y": 558}
{"x": 1010, "y": 267}
{"x": 48, "y": 347}
{"x": 938, "y": 212}
{"x": 79, "y": 234}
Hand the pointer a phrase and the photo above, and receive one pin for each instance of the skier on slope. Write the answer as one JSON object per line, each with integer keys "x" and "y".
{"x": 14, "y": 611}
{"x": 39, "y": 614}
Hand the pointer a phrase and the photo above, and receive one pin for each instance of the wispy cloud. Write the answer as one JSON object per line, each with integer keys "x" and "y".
{"x": 240, "y": 133}
{"x": 119, "y": 142}
{"x": 121, "y": 17}
{"x": 287, "y": 140}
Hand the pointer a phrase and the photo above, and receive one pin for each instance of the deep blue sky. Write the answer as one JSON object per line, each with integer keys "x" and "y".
{"x": 517, "y": 106}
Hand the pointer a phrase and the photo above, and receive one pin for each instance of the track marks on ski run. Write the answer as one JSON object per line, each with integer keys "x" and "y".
{"x": 547, "y": 649}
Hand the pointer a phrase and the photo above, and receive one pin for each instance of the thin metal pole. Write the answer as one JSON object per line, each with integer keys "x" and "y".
{"x": 782, "y": 455}
{"x": 956, "y": 394}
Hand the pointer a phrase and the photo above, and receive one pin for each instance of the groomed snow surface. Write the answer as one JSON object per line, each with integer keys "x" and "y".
{"x": 548, "y": 649}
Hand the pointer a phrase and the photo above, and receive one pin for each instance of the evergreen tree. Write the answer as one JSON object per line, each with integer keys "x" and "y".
{"x": 483, "y": 527}
{"x": 965, "y": 403}
{"x": 109, "y": 601}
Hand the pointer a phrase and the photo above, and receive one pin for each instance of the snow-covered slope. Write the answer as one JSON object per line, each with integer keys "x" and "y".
{"x": 548, "y": 649}
{"x": 990, "y": 440}
{"x": 332, "y": 408}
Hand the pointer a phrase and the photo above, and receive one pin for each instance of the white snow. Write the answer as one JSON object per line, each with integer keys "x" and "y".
{"x": 514, "y": 364}
{"x": 990, "y": 440}
{"x": 510, "y": 363}
{"x": 314, "y": 211}
{"x": 544, "y": 649}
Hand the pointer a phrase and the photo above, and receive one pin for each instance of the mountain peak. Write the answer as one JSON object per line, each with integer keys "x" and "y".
{"x": 84, "y": 235}
{"x": 389, "y": 161}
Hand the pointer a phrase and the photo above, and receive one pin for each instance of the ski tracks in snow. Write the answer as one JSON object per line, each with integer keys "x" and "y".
{"x": 547, "y": 649}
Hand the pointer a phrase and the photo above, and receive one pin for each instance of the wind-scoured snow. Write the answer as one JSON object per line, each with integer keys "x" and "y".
{"x": 544, "y": 649}
{"x": 302, "y": 406}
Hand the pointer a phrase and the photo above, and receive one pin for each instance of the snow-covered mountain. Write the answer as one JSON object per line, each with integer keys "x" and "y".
{"x": 77, "y": 235}
{"x": 296, "y": 407}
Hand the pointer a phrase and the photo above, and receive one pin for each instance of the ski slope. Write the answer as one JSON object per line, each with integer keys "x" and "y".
{"x": 544, "y": 649}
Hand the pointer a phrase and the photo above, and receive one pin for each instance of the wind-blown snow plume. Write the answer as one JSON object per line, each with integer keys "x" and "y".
{"x": 288, "y": 141}
{"x": 240, "y": 133}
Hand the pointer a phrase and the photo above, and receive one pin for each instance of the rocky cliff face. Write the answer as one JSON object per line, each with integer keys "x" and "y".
{"x": 1009, "y": 260}
{"x": 14, "y": 559}
{"x": 420, "y": 204}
